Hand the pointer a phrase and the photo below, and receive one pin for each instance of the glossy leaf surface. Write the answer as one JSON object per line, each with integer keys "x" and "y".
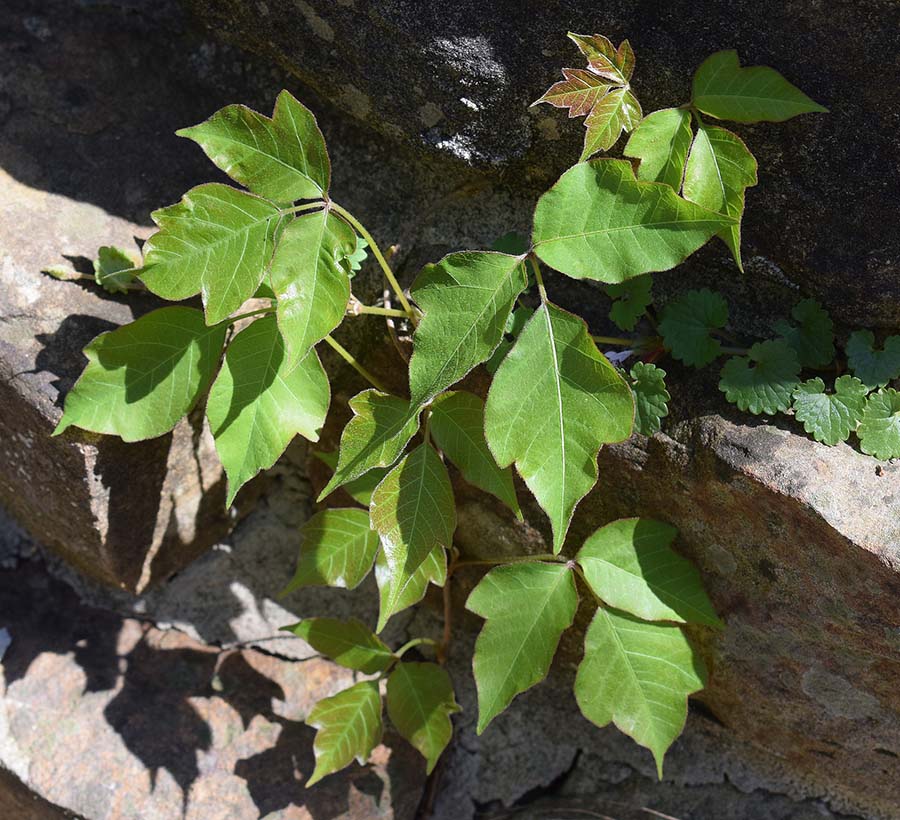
{"x": 527, "y": 607}
{"x": 282, "y": 158}
{"x": 599, "y": 222}
{"x": 349, "y": 728}
{"x": 143, "y": 377}
{"x": 420, "y": 701}
{"x": 615, "y": 112}
{"x": 637, "y": 675}
{"x": 394, "y": 599}
{"x": 553, "y": 402}
{"x": 457, "y": 424}
{"x": 258, "y": 402}
{"x": 338, "y": 550}
{"x": 217, "y": 241}
{"x": 348, "y": 643}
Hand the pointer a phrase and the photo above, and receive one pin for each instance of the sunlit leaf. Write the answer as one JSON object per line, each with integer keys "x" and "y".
{"x": 603, "y": 57}
{"x": 259, "y": 402}
{"x": 687, "y": 325}
{"x": 879, "y": 430}
{"x": 308, "y": 278}
{"x": 615, "y": 112}
{"x": 579, "y": 91}
{"x": 114, "y": 269}
{"x": 375, "y": 436}
{"x": 348, "y": 643}
{"x": 830, "y": 417}
{"x": 394, "y": 599}
{"x": 282, "y": 158}
{"x": 874, "y": 368}
{"x": 420, "y": 701}
{"x": 764, "y": 380}
{"x": 349, "y": 727}
{"x": 719, "y": 169}
{"x": 554, "y": 401}
{"x": 217, "y": 241}
{"x": 514, "y": 326}
{"x": 637, "y": 675}
{"x": 527, "y": 607}
{"x": 414, "y": 513}
{"x": 631, "y": 566}
{"x": 813, "y": 337}
{"x": 726, "y": 91}
{"x": 466, "y": 298}
{"x": 360, "y": 489}
{"x": 338, "y": 550}
{"x": 648, "y": 382}
{"x": 661, "y": 142}
{"x": 457, "y": 424}
{"x": 143, "y": 377}
{"x": 599, "y": 222}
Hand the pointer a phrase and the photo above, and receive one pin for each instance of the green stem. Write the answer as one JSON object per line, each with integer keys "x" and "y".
{"x": 414, "y": 642}
{"x": 389, "y": 274}
{"x": 233, "y": 319}
{"x": 348, "y": 357}
{"x": 515, "y": 559}
{"x": 616, "y": 340}
{"x": 538, "y": 278}
{"x": 377, "y": 311}
{"x": 307, "y": 206}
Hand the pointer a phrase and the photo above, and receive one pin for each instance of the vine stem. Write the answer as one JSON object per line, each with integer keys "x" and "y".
{"x": 357, "y": 310}
{"x": 414, "y": 642}
{"x": 307, "y": 206}
{"x": 401, "y": 296}
{"x": 233, "y": 319}
{"x": 348, "y": 357}
{"x": 538, "y": 278}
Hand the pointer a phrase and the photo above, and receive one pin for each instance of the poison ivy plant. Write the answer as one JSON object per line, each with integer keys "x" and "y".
{"x": 503, "y": 385}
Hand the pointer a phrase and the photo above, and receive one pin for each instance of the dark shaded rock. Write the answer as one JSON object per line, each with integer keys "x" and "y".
{"x": 456, "y": 80}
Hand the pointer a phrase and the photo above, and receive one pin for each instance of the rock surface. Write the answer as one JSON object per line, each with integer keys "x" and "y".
{"x": 456, "y": 81}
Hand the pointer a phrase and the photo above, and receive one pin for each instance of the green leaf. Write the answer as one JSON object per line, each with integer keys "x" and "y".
{"x": 874, "y": 368}
{"x": 393, "y": 599}
{"x": 114, "y": 269}
{"x": 514, "y": 326}
{"x": 349, "y": 727}
{"x": 637, "y": 675}
{"x": 650, "y": 397}
{"x": 64, "y": 273}
{"x": 282, "y": 158}
{"x": 719, "y": 169}
{"x": 630, "y": 565}
{"x": 375, "y": 437}
{"x": 615, "y": 112}
{"x": 360, "y": 489}
{"x": 604, "y": 59}
{"x": 457, "y": 424}
{"x": 338, "y": 550}
{"x": 554, "y": 401}
{"x": 631, "y": 300}
{"x": 354, "y": 261}
{"x": 599, "y": 222}
{"x": 348, "y": 643}
{"x": 661, "y": 143}
{"x": 527, "y": 607}
{"x": 579, "y": 91}
{"x": 143, "y": 377}
{"x": 309, "y": 280}
{"x": 413, "y": 512}
{"x": 830, "y": 418}
{"x": 687, "y": 323}
{"x": 726, "y": 91}
{"x": 763, "y": 381}
{"x": 879, "y": 430}
{"x": 420, "y": 701}
{"x": 813, "y": 337}
{"x": 466, "y": 298}
{"x": 217, "y": 241}
{"x": 259, "y": 402}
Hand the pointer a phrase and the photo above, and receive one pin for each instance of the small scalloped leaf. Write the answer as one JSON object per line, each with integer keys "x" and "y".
{"x": 650, "y": 397}
{"x": 687, "y": 323}
{"x": 764, "y": 380}
{"x": 630, "y": 300}
{"x": 812, "y": 337}
{"x": 879, "y": 430}
{"x": 830, "y": 417}
{"x": 874, "y": 368}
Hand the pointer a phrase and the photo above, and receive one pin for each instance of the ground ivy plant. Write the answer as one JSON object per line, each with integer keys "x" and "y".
{"x": 554, "y": 399}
